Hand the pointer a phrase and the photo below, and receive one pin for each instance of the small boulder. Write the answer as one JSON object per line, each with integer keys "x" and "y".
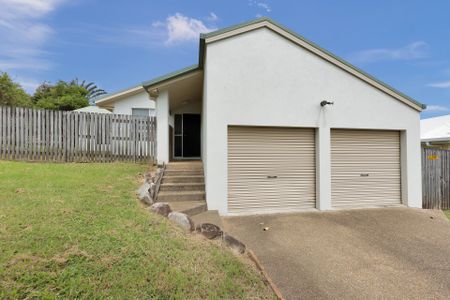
{"x": 182, "y": 220}
{"x": 161, "y": 208}
{"x": 149, "y": 177}
{"x": 144, "y": 193}
{"x": 233, "y": 243}
{"x": 208, "y": 230}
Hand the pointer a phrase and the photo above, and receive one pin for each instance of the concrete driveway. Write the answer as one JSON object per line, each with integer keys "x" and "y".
{"x": 392, "y": 253}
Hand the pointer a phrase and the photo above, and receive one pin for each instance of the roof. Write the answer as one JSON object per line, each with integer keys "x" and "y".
{"x": 171, "y": 75}
{"x": 287, "y": 33}
{"x": 93, "y": 109}
{"x": 120, "y": 94}
{"x": 435, "y": 129}
{"x": 300, "y": 40}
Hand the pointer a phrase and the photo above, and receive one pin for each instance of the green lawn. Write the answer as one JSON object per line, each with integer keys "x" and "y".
{"x": 77, "y": 231}
{"x": 447, "y": 213}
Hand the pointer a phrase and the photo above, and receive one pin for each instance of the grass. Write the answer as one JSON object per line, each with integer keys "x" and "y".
{"x": 77, "y": 231}
{"x": 447, "y": 213}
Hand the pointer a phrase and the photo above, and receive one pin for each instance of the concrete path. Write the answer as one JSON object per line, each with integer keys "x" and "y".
{"x": 392, "y": 253}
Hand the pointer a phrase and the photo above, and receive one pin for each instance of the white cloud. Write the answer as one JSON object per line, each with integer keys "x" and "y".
{"x": 24, "y": 34}
{"x": 28, "y": 84}
{"x": 441, "y": 85}
{"x": 264, "y": 6}
{"x": 412, "y": 51}
{"x": 437, "y": 108}
{"x": 173, "y": 31}
{"x": 212, "y": 17}
{"x": 260, "y": 4}
{"x": 180, "y": 28}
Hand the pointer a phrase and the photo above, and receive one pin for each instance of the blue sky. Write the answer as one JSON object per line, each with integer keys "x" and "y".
{"x": 121, "y": 43}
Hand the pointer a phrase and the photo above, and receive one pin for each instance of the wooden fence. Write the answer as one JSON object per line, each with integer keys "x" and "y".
{"x": 436, "y": 178}
{"x": 47, "y": 135}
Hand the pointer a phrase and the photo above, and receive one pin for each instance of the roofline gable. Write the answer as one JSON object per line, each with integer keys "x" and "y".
{"x": 206, "y": 38}
{"x": 308, "y": 45}
{"x": 108, "y": 98}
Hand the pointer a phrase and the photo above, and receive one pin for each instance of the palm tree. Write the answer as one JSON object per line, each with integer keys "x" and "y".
{"x": 91, "y": 88}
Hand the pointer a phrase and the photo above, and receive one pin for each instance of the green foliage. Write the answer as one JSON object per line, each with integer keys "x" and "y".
{"x": 61, "y": 96}
{"x": 11, "y": 93}
{"x": 93, "y": 90}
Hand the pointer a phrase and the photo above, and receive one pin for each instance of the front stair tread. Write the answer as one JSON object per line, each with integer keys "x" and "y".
{"x": 172, "y": 196}
{"x": 181, "y": 193}
{"x": 182, "y": 176}
{"x": 170, "y": 184}
{"x": 190, "y": 208}
{"x": 180, "y": 172}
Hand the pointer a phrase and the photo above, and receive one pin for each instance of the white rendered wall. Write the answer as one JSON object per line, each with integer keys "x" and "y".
{"x": 162, "y": 127}
{"x": 262, "y": 79}
{"x": 124, "y": 106}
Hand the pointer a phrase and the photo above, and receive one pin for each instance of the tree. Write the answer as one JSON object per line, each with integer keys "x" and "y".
{"x": 93, "y": 90}
{"x": 61, "y": 96}
{"x": 12, "y": 94}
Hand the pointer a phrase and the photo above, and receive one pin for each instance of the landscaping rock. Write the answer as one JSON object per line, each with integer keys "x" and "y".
{"x": 149, "y": 177}
{"x": 233, "y": 243}
{"x": 208, "y": 230}
{"x": 144, "y": 193}
{"x": 182, "y": 220}
{"x": 161, "y": 208}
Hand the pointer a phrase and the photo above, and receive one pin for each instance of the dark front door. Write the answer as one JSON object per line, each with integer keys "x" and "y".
{"x": 187, "y": 135}
{"x": 191, "y": 135}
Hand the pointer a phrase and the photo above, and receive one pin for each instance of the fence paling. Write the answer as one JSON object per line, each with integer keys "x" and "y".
{"x": 436, "y": 178}
{"x": 33, "y": 134}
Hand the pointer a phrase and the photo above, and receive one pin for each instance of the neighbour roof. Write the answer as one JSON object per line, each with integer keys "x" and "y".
{"x": 93, "y": 109}
{"x": 435, "y": 129}
{"x": 119, "y": 94}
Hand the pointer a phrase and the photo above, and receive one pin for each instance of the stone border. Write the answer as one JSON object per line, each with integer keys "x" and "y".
{"x": 209, "y": 231}
{"x": 269, "y": 280}
{"x": 148, "y": 191}
{"x": 213, "y": 232}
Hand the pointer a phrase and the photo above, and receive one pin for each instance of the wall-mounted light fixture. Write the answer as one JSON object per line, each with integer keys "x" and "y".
{"x": 325, "y": 102}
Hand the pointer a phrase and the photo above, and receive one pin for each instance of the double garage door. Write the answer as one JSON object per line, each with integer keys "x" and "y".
{"x": 274, "y": 169}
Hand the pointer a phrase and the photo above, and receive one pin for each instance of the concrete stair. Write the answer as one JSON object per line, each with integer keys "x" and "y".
{"x": 183, "y": 187}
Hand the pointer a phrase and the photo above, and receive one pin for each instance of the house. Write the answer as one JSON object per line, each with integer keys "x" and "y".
{"x": 283, "y": 125}
{"x": 93, "y": 109}
{"x": 131, "y": 101}
{"x": 435, "y": 132}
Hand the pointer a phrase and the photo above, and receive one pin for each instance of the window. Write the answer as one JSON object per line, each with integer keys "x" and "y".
{"x": 142, "y": 112}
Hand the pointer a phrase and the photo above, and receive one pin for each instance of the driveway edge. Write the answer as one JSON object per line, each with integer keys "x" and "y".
{"x": 272, "y": 285}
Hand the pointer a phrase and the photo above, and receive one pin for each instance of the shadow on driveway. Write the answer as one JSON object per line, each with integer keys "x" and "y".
{"x": 389, "y": 253}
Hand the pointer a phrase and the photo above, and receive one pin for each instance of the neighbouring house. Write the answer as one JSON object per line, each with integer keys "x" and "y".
{"x": 284, "y": 125}
{"x": 435, "y": 132}
{"x": 132, "y": 101}
{"x": 93, "y": 109}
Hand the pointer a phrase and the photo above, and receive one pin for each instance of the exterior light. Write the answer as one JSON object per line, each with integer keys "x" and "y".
{"x": 325, "y": 102}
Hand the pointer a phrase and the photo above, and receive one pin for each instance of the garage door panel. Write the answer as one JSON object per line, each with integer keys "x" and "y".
{"x": 365, "y": 168}
{"x": 254, "y": 153}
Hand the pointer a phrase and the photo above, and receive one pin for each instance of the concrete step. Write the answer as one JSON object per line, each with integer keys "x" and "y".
{"x": 191, "y": 208}
{"x": 184, "y": 166}
{"x": 183, "y": 172}
{"x": 184, "y": 179}
{"x": 183, "y": 186}
{"x": 181, "y": 196}
{"x": 187, "y": 170}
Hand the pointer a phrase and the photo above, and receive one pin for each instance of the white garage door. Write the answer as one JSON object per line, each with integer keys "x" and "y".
{"x": 365, "y": 168}
{"x": 270, "y": 169}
